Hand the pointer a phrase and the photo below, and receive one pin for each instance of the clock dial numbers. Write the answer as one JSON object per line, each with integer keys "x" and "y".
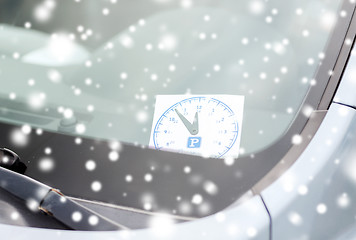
{"x": 212, "y": 132}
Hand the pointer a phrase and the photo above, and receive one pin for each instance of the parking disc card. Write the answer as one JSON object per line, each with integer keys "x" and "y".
{"x": 207, "y": 125}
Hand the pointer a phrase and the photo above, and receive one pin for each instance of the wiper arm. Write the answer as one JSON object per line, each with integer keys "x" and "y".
{"x": 50, "y": 200}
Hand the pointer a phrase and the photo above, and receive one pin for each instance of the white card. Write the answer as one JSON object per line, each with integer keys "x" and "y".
{"x": 206, "y": 125}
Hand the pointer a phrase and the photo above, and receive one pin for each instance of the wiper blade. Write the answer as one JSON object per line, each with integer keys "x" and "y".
{"x": 51, "y": 201}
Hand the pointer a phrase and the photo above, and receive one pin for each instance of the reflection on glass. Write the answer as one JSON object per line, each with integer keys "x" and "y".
{"x": 94, "y": 68}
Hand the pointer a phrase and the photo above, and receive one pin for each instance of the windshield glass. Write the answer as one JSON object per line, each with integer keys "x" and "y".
{"x": 95, "y": 68}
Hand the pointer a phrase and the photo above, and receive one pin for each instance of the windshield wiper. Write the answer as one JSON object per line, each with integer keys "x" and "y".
{"x": 49, "y": 200}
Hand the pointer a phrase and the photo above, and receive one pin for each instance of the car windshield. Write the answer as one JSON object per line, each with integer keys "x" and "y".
{"x": 95, "y": 68}
{"x": 131, "y": 102}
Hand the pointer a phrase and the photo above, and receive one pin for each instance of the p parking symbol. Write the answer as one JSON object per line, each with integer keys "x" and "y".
{"x": 194, "y": 142}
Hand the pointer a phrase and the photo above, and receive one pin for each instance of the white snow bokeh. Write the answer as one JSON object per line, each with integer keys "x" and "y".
{"x": 295, "y": 218}
{"x": 104, "y": 74}
{"x": 96, "y": 186}
{"x": 46, "y": 164}
{"x": 113, "y": 156}
{"x": 43, "y": 11}
{"x": 77, "y": 216}
{"x": 162, "y": 226}
{"x": 59, "y": 50}
{"x": 90, "y": 165}
{"x": 19, "y": 138}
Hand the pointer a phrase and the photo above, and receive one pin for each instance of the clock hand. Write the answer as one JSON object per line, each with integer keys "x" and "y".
{"x": 193, "y": 128}
{"x": 195, "y": 125}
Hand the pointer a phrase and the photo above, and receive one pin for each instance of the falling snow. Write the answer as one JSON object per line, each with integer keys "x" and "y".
{"x": 321, "y": 208}
{"x": 77, "y": 216}
{"x": 87, "y": 81}
{"x": 90, "y": 165}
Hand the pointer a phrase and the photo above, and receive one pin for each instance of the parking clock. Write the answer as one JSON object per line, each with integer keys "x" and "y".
{"x": 207, "y": 125}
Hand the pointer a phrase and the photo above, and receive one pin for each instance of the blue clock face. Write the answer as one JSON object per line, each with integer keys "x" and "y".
{"x": 197, "y": 125}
